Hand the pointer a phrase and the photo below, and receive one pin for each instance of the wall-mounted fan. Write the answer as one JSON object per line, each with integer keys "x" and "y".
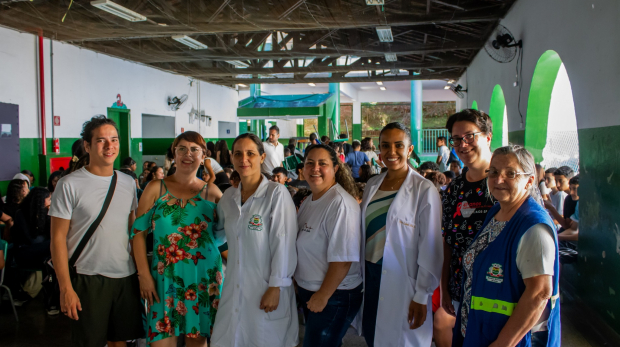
{"x": 175, "y": 102}
{"x": 458, "y": 90}
{"x": 501, "y": 45}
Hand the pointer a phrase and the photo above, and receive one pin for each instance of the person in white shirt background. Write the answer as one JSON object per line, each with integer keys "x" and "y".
{"x": 328, "y": 274}
{"x": 401, "y": 214}
{"x": 257, "y": 307}
{"x": 274, "y": 151}
{"x": 443, "y": 154}
{"x": 556, "y": 197}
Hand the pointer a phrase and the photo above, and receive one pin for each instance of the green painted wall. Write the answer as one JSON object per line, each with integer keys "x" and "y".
{"x": 474, "y": 105}
{"x": 517, "y": 137}
{"x": 538, "y": 103}
{"x": 496, "y": 112}
{"x": 599, "y": 227}
{"x": 357, "y": 131}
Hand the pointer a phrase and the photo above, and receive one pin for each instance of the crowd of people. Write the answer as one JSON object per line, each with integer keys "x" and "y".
{"x": 224, "y": 245}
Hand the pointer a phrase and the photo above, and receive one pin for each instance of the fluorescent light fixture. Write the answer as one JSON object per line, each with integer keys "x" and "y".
{"x": 380, "y": 83}
{"x": 312, "y": 84}
{"x": 118, "y": 10}
{"x": 446, "y": 87}
{"x": 188, "y": 41}
{"x": 390, "y": 57}
{"x": 238, "y": 63}
{"x": 451, "y": 81}
{"x": 375, "y": 2}
{"x": 242, "y": 85}
{"x": 385, "y": 34}
{"x": 382, "y": 88}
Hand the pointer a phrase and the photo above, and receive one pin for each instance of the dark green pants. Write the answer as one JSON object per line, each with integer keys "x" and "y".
{"x": 111, "y": 310}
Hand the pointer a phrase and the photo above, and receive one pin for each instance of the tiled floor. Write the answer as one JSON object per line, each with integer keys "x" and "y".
{"x": 36, "y": 329}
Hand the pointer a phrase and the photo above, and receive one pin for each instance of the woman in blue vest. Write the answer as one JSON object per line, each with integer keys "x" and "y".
{"x": 510, "y": 280}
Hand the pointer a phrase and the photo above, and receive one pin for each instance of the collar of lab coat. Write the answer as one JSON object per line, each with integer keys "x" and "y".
{"x": 405, "y": 190}
{"x": 259, "y": 193}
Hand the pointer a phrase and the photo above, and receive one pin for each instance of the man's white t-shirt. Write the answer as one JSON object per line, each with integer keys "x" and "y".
{"x": 444, "y": 152}
{"x": 274, "y": 156}
{"x": 329, "y": 231}
{"x": 557, "y": 200}
{"x": 79, "y": 197}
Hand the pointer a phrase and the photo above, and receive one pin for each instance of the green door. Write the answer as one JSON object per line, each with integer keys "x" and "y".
{"x": 122, "y": 117}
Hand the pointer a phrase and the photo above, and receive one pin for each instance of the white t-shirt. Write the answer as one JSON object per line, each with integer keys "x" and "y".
{"x": 217, "y": 168}
{"x": 274, "y": 156}
{"x": 542, "y": 186}
{"x": 557, "y": 200}
{"x": 444, "y": 152}
{"x": 329, "y": 231}
{"x": 79, "y": 197}
{"x": 536, "y": 252}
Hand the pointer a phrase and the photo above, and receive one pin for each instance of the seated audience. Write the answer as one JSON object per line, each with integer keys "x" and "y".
{"x": 30, "y": 176}
{"x": 280, "y": 175}
{"x": 569, "y": 236}
{"x": 355, "y": 159}
{"x": 235, "y": 179}
{"x": 129, "y": 167}
{"x": 449, "y": 177}
{"x": 15, "y": 193}
{"x": 510, "y": 297}
{"x": 426, "y": 167}
{"x": 364, "y": 173}
{"x": 300, "y": 182}
{"x": 53, "y": 180}
{"x": 456, "y": 167}
{"x": 23, "y": 177}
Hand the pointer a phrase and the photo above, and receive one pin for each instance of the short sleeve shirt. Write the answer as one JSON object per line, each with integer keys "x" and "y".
{"x": 329, "y": 231}
{"x": 356, "y": 159}
{"x": 465, "y": 207}
{"x": 569, "y": 208}
{"x": 274, "y": 156}
{"x": 444, "y": 152}
{"x": 79, "y": 197}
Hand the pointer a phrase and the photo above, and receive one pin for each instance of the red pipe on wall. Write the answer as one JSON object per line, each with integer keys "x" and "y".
{"x": 42, "y": 96}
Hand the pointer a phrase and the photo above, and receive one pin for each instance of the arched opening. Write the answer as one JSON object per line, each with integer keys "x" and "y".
{"x": 474, "y": 105}
{"x": 498, "y": 114}
{"x": 551, "y": 124}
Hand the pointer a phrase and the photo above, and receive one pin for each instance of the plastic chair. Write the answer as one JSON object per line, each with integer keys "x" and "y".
{"x": 2, "y": 286}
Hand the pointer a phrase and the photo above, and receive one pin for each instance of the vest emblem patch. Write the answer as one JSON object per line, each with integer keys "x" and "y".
{"x": 256, "y": 223}
{"x": 495, "y": 274}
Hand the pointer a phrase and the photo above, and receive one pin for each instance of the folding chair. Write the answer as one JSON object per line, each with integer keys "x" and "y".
{"x": 2, "y": 286}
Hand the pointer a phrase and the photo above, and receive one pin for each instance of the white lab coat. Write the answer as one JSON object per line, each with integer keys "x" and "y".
{"x": 261, "y": 237}
{"x": 412, "y": 260}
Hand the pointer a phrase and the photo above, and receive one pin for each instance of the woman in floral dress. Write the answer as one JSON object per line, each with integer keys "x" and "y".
{"x": 182, "y": 284}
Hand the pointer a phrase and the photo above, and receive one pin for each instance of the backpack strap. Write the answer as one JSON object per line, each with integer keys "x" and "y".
{"x": 91, "y": 230}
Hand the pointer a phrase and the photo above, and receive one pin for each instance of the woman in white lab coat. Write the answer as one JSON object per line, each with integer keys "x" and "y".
{"x": 401, "y": 215}
{"x": 257, "y": 307}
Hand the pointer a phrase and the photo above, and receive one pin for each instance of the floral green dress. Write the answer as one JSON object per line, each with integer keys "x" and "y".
{"x": 186, "y": 266}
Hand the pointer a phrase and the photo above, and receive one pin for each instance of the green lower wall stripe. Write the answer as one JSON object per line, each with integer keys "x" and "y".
{"x": 517, "y": 137}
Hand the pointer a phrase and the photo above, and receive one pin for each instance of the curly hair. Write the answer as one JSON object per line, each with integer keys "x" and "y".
{"x": 34, "y": 211}
{"x": 343, "y": 175}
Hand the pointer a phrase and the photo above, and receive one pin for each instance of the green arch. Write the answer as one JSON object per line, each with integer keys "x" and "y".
{"x": 496, "y": 112}
{"x": 538, "y": 102}
{"x": 474, "y": 105}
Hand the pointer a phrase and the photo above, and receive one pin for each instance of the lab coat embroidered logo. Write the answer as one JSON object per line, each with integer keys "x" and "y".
{"x": 306, "y": 228}
{"x": 256, "y": 223}
{"x": 495, "y": 273}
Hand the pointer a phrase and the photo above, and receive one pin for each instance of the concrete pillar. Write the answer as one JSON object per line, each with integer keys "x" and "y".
{"x": 416, "y": 115}
{"x": 357, "y": 120}
{"x": 335, "y": 116}
{"x": 255, "y": 91}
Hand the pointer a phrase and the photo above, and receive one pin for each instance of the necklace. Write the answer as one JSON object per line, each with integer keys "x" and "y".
{"x": 397, "y": 182}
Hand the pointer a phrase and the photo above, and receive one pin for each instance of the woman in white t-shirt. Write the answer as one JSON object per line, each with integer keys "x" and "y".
{"x": 329, "y": 240}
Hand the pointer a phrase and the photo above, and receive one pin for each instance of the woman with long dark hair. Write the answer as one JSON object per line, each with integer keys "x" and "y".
{"x": 259, "y": 222}
{"x": 222, "y": 154}
{"x": 31, "y": 231}
{"x": 155, "y": 173}
{"x": 329, "y": 239}
{"x": 15, "y": 193}
{"x": 52, "y": 180}
{"x": 401, "y": 214}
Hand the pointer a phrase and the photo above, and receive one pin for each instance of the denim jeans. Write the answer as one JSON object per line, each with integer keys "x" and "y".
{"x": 328, "y": 327}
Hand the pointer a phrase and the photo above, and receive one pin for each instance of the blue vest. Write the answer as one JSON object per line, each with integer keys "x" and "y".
{"x": 497, "y": 284}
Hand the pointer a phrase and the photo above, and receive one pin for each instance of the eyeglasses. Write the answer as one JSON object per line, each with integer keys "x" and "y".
{"x": 468, "y": 139}
{"x": 510, "y": 174}
{"x": 194, "y": 151}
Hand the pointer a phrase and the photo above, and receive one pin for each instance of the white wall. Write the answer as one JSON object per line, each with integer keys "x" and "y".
{"x": 86, "y": 83}
{"x": 581, "y": 33}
